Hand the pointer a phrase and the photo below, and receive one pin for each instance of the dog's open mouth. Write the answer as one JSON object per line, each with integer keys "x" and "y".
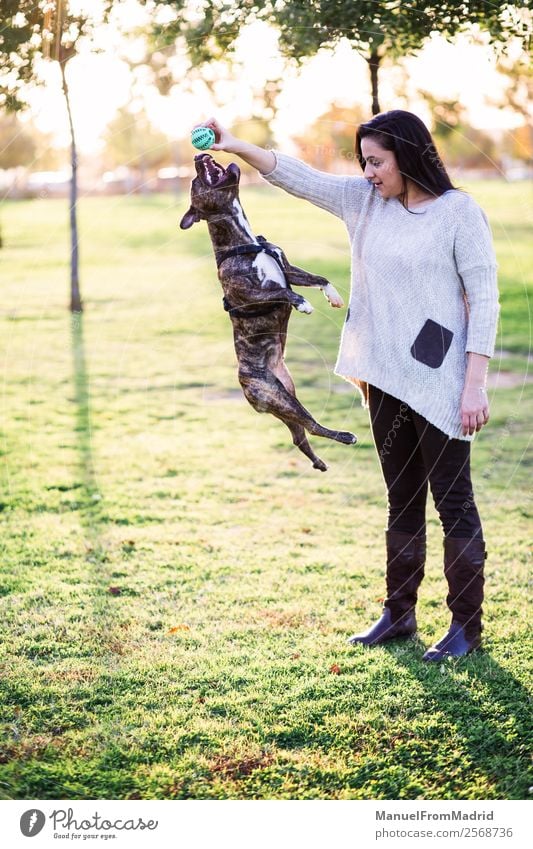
{"x": 214, "y": 175}
{"x": 208, "y": 170}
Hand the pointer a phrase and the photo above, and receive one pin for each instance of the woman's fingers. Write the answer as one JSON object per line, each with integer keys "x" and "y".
{"x": 223, "y": 138}
{"x": 218, "y": 130}
{"x": 212, "y": 123}
{"x": 469, "y": 425}
{"x": 473, "y": 421}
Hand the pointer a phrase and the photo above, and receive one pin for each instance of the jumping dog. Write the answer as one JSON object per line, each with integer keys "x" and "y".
{"x": 256, "y": 279}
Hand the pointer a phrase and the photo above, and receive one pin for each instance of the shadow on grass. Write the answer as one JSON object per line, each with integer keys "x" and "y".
{"x": 93, "y": 516}
{"x": 91, "y": 512}
{"x": 489, "y": 710}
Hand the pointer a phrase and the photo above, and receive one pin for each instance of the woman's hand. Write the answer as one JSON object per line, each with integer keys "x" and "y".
{"x": 474, "y": 409}
{"x": 223, "y": 138}
{"x": 257, "y": 157}
{"x": 474, "y": 401}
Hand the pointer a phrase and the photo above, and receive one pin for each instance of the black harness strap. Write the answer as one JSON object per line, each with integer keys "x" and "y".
{"x": 245, "y": 312}
{"x": 242, "y": 250}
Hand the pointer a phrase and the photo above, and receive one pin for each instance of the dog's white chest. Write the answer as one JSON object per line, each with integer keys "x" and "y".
{"x": 267, "y": 268}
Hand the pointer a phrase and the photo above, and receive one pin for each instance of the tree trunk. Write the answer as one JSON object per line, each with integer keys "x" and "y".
{"x": 75, "y": 297}
{"x": 373, "y": 64}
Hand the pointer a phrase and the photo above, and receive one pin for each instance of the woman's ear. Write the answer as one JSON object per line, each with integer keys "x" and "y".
{"x": 192, "y": 216}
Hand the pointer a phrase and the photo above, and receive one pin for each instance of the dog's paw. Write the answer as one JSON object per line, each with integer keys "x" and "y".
{"x": 346, "y": 437}
{"x": 333, "y": 296}
{"x": 305, "y": 306}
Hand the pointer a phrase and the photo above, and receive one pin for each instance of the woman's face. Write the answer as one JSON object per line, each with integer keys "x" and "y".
{"x": 381, "y": 168}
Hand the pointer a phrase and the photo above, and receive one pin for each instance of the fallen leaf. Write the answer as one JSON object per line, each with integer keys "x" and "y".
{"x": 335, "y": 669}
{"x": 380, "y": 600}
{"x": 177, "y": 628}
{"x": 296, "y": 655}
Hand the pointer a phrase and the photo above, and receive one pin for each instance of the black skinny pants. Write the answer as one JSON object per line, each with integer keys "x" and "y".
{"x": 413, "y": 453}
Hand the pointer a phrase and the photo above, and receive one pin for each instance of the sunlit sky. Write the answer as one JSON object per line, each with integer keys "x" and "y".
{"x": 101, "y": 83}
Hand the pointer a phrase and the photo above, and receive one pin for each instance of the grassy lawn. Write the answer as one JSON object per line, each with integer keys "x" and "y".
{"x": 177, "y": 583}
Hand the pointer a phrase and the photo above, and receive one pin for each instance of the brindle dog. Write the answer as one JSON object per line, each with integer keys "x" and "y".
{"x": 256, "y": 278}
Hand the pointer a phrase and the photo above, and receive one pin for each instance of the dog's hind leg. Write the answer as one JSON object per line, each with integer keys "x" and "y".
{"x": 283, "y": 374}
{"x": 267, "y": 394}
{"x": 298, "y": 431}
{"x": 300, "y": 440}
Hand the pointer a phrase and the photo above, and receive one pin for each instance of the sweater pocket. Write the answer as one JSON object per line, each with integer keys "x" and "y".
{"x": 432, "y": 344}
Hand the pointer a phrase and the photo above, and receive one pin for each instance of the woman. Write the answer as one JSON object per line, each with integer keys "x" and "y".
{"x": 419, "y": 332}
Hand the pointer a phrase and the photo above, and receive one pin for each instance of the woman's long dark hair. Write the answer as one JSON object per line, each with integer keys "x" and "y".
{"x": 410, "y": 140}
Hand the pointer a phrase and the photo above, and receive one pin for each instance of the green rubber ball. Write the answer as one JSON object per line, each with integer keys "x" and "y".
{"x": 202, "y": 138}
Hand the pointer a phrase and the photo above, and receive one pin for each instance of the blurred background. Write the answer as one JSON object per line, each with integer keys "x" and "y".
{"x": 298, "y": 76}
{"x": 176, "y": 582}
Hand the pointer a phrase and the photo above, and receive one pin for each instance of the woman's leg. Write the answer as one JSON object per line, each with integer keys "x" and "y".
{"x": 448, "y": 469}
{"x": 404, "y": 474}
{"x": 402, "y": 463}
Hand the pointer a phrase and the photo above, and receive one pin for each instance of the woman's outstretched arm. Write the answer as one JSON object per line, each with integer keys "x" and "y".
{"x": 294, "y": 176}
{"x": 257, "y": 157}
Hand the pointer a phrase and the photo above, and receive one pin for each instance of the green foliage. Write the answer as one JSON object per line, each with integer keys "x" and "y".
{"x": 177, "y": 583}
{"x": 392, "y": 28}
{"x": 27, "y": 33}
{"x": 398, "y": 28}
{"x": 208, "y": 28}
{"x": 20, "y": 24}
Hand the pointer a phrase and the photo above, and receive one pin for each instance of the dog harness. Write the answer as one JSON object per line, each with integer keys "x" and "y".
{"x": 242, "y": 250}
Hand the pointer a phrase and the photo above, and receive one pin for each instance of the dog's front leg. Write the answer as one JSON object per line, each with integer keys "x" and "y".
{"x": 299, "y": 277}
{"x": 295, "y": 300}
{"x": 267, "y": 292}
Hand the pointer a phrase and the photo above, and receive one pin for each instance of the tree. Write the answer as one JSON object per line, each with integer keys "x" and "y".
{"x": 391, "y": 28}
{"x": 30, "y": 31}
{"x": 60, "y": 37}
{"x": 21, "y": 23}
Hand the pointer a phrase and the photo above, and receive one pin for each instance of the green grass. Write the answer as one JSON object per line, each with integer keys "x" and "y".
{"x": 177, "y": 582}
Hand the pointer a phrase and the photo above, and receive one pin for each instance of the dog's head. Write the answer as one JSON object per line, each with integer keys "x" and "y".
{"x": 213, "y": 190}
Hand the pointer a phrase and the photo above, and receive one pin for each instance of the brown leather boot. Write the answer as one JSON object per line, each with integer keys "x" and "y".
{"x": 464, "y": 561}
{"x": 406, "y": 557}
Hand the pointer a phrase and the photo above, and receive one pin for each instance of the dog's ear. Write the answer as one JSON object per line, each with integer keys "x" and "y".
{"x": 192, "y": 216}
{"x": 235, "y": 172}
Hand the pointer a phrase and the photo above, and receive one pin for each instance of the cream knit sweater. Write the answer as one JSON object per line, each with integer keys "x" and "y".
{"x": 437, "y": 264}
